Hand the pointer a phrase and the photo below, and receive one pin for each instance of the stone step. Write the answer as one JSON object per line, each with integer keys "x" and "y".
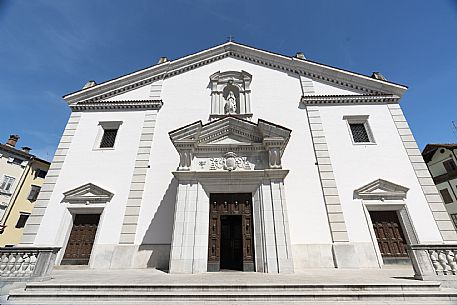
{"x": 428, "y": 286}
{"x": 99, "y": 294}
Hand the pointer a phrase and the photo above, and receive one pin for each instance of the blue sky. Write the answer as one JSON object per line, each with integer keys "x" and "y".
{"x": 51, "y": 48}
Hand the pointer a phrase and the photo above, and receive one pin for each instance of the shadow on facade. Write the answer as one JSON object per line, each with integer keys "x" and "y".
{"x": 157, "y": 240}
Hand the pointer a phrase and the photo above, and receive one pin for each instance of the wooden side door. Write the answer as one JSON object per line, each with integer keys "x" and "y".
{"x": 81, "y": 240}
{"x": 389, "y": 234}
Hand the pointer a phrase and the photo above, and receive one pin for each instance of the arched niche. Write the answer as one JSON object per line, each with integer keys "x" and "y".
{"x": 230, "y": 94}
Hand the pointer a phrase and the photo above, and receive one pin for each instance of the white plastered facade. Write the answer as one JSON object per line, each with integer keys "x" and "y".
{"x": 326, "y": 226}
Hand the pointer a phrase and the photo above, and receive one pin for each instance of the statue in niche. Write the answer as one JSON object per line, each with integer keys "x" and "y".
{"x": 230, "y": 105}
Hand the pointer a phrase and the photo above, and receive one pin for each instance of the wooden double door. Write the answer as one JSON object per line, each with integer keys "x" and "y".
{"x": 390, "y": 236}
{"x": 81, "y": 240}
{"x": 230, "y": 236}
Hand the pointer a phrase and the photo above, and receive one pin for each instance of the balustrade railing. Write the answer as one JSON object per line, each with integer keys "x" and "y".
{"x": 22, "y": 263}
{"x": 434, "y": 261}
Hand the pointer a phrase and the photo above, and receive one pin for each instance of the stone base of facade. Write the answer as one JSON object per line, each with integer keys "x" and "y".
{"x": 130, "y": 256}
{"x": 355, "y": 255}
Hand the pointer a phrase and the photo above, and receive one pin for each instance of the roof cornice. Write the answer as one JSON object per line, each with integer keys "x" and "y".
{"x": 110, "y": 105}
{"x": 349, "y": 99}
{"x": 291, "y": 65}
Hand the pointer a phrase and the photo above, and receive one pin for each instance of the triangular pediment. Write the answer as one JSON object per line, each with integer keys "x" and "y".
{"x": 381, "y": 190}
{"x": 228, "y": 131}
{"x": 230, "y": 139}
{"x": 87, "y": 193}
{"x": 361, "y": 84}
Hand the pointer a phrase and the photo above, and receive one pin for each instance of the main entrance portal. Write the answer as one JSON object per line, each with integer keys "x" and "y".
{"x": 231, "y": 243}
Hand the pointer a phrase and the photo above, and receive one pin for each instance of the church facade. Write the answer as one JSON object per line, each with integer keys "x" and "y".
{"x": 237, "y": 158}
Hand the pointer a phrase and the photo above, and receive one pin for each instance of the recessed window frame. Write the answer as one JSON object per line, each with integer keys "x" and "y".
{"x": 359, "y": 119}
{"x": 107, "y": 125}
{"x": 447, "y": 197}
{"x": 449, "y": 165}
{"x": 22, "y": 220}
{"x": 34, "y": 191}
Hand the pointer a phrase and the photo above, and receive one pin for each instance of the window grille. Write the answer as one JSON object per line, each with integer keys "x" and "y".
{"x": 359, "y": 133}
{"x": 109, "y": 136}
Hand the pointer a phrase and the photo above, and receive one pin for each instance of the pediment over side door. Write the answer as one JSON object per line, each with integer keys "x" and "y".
{"x": 87, "y": 194}
{"x": 381, "y": 190}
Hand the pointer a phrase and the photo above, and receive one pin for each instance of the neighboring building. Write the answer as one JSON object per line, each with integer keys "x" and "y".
{"x": 237, "y": 158}
{"x": 22, "y": 175}
{"x": 442, "y": 163}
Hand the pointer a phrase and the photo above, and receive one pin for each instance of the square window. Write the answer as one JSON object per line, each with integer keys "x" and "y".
{"x": 107, "y": 135}
{"x": 359, "y": 129}
{"x": 22, "y": 220}
{"x": 446, "y": 196}
{"x": 7, "y": 184}
{"x": 41, "y": 173}
{"x": 108, "y": 139}
{"x": 359, "y": 133}
{"x": 34, "y": 191}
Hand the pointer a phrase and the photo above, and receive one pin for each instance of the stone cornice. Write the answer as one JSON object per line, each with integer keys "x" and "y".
{"x": 349, "y": 99}
{"x": 227, "y": 175}
{"x": 111, "y": 105}
{"x": 290, "y": 65}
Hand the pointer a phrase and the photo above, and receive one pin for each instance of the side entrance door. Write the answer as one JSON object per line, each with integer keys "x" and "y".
{"x": 81, "y": 240}
{"x": 390, "y": 236}
{"x": 230, "y": 238}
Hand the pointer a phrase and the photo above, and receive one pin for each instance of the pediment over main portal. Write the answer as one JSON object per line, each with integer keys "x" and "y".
{"x": 230, "y": 144}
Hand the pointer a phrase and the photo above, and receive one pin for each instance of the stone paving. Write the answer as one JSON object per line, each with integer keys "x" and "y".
{"x": 387, "y": 275}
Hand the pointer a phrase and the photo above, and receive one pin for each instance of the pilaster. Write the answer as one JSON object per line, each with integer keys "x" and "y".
{"x": 133, "y": 206}
{"x": 39, "y": 209}
{"x": 429, "y": 189}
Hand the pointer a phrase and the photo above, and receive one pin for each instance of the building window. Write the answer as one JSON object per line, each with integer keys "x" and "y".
{"x": 3, "y": 206}
{"x": 450, "y": 166}
{"x": 22, "y": 220}
{"x": 454, "y": 219}
{"x": 359, "y": 133}
{"x": 41, "y": 173}
{"x": 7, "y": 184}
{"x": 34, "y": 191}
{"x": 446, "y": 196}
{"x": 107, "y": 135}
{"x": 359, "y": 129}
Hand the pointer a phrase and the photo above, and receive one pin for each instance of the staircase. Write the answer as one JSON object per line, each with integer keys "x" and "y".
{"x": 415, "y": 292}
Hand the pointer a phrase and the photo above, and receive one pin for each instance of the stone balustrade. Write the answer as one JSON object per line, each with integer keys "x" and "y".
{"x": 26, "y": 263}
{"x": 434, "y": 261}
